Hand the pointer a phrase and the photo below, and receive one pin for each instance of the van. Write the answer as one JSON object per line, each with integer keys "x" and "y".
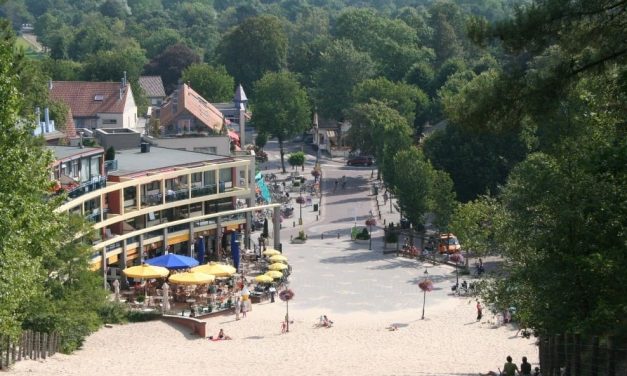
{"x": 448, "y": 243}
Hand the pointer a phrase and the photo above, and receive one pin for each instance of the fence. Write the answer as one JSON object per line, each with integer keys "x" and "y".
{"x": 30, "y": 345}
{"x": 574, "y": 355}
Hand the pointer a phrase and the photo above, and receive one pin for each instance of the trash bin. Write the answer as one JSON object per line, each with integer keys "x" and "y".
{"x": 315, "y": 207}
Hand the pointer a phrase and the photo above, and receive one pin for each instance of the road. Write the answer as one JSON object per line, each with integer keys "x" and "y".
{"x": 340, "y": 275}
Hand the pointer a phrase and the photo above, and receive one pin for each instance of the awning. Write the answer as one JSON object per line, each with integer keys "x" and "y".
{"x": 330, "y": 133}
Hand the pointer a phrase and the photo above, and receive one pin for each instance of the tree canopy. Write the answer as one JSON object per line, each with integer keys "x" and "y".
{"x": 281, "y": 107}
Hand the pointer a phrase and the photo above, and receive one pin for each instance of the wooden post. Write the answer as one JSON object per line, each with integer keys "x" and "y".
{"x": 21, "y": 348}
{"x": 37, "y": 345}
{"x": 567, "y": 352}
{"x": 44, "y": 346}
{"x": 577, "y": 355}
{"x": 13, "y": 351}
{"x": 594, "y": 369}
{"x": 550, "y": 358}
{"x": 611, "y": 356}
{"x": 7, "y": 341}
{"x": 1, "y": 337}
{"x": 557, "y": 352}
{"x": 31, "y": 344}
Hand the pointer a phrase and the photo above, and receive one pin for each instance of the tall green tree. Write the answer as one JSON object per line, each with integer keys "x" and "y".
{"x": 28, "y": 224}
{"x": 342, "y": 67}
{"x": 170, "y": 64}
{"x": 399, "y": 96}
{"x": 281, "y": 108}
{"x": 412, "y": 184}
{"x": 212, "y": 83}
{"x": 255, "y": 47}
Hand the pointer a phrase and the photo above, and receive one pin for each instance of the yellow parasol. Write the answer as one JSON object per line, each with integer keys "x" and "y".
{"x": 146, "y": 271}
{"x": 191, "y": 278}
{"x": 274, "y": 274}
{"x": 215, "y": 268}
{"x": 277, "y": 266}
{"x": 263, "y": 278}
{"x": 278, "y": 258}
{"x": 271, "y": 252}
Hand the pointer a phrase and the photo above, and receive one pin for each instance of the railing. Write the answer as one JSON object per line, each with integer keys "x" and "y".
{"x": 153, "y": 199}
{"x": 204, "y": 191}
{"x": 110, "y": 166}
{"x": 30, "y": 345}
{"x": 113, "y": 246}
{"x": 181, "y": 194}
{"x": 177, "y": 228}
{"x": 153, "y": 234}
{"x": 95, "y": 217}
{"x": 92, "y": 185}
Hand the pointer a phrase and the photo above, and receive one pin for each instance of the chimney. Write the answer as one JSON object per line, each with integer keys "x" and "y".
{"x": 39, "y": 124}
{"x": 124, "y": 80}
{"x": 121, "y": 92}
{"x": 50, "y": 84}
{"x": 47, "y": 119}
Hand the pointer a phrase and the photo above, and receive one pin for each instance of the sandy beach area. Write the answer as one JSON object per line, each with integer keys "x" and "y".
{"x": 447, "y": 342}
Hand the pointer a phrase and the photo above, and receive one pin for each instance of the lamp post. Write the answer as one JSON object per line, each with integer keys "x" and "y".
{"x": 300, "y": 200}
{"x": 425, "y": 285}
{"x": 370, "y": 222}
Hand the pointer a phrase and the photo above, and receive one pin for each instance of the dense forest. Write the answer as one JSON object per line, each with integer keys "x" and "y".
{"x": 531, "y": 164}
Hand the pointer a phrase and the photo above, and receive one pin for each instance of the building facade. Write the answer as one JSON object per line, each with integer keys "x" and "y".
{"x": 161, "y": 200}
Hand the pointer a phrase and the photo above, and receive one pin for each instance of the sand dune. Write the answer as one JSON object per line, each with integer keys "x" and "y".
{"x": 447, "y": 342}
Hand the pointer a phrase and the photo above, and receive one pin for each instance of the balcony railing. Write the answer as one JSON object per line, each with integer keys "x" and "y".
{"x": 172, "y": 196}
{"x": 110, "y": 166}
{"x": 95, "y": 183}
{"x": 204, "y": 191}
{"x": 153, "y": 199}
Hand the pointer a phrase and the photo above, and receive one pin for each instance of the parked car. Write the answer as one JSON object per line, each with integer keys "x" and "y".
{"x": 361, "y": 160}
{"x": 448, "y": 243}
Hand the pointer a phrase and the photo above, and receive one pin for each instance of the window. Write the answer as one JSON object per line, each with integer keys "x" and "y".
{"x": 197, "y": 177}
{"x": 109, "y": 121}
{"x": 99, "y": 97}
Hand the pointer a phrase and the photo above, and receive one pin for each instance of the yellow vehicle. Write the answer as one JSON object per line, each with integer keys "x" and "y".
{"x": 448, "y": 243}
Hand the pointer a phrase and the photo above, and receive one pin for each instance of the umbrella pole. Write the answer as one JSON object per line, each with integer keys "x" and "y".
{"x": 424, "y": 300}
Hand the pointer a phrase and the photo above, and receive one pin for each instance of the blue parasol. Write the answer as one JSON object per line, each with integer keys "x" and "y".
{"x": 235, "y": 250}
{"x": 173, "y": 261}
{"x": 200, "y": 248}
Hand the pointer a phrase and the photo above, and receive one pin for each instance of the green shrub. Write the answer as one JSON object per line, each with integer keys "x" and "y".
{"x": 363, "y": 235}
{"x": 113, "y": 313}
{"x": 139, "y": 316}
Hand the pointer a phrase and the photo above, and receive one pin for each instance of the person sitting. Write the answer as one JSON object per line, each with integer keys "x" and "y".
{"x": 221, "y": 336}
{"x": 326, "y": 322}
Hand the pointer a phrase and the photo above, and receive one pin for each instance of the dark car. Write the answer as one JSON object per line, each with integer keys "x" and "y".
{"x": 361, "y": 160}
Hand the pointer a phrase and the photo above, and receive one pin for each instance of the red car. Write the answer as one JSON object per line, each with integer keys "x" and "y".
{"x": 361, "y": 161}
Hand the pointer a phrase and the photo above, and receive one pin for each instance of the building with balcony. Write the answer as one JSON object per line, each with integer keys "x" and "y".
{"x": 159, "y": 200}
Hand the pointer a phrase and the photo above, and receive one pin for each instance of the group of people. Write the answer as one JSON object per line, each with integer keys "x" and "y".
{"x": 511, "y": 369}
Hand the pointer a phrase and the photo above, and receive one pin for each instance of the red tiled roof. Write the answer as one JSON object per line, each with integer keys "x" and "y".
{"x": 190, "y": 101}
{"x": 87, "y": 99}
{"x": 152, "y": 85}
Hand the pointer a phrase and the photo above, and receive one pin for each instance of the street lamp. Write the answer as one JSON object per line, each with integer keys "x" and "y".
{"x": 425, "y": 285}
{"x": 370, "y": 222}
{"x": 457, "y": 258}
{"x": 300, "y": 200}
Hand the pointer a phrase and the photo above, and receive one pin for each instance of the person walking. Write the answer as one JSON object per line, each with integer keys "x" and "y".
{"x": 335, "y": 185}
{"x": 479, "y": 311}
{"x": 525, "y": 367}
{"x": 272, "y": 291}
{"x": 509, "y": 368}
